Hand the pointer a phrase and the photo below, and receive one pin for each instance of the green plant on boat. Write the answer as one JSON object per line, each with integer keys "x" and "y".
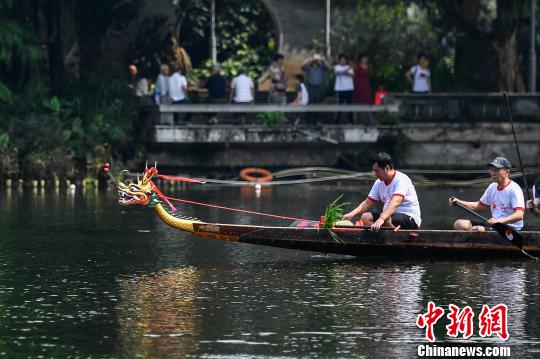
{"x": 333, "y": 214}
{"x": 272, "y": 119}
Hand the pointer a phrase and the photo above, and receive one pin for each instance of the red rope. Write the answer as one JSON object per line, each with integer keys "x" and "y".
{"x": 235, "y": 209}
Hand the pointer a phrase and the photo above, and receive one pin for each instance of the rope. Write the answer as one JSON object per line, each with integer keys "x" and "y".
{"x": 235, "y": 209}
{"x": 364, "y": 176}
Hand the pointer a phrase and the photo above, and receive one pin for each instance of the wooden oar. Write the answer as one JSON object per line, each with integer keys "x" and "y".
{"x": 503, "y": 230}
{"x": 368, "y": 228}
{"x": 315, "y": 224}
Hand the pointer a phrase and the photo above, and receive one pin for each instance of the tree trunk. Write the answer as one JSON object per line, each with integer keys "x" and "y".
{"x": 510, "y": 78}
{"x": 55, "y": 47}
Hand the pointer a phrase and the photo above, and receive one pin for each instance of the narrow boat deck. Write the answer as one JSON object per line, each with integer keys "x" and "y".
{"x": 361, "y": 243}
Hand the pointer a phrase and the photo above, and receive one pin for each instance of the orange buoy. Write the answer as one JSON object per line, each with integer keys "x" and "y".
{"x": 252, "y": 174}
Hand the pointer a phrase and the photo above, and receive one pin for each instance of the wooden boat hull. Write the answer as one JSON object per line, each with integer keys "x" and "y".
{"x": 362, "y": 243}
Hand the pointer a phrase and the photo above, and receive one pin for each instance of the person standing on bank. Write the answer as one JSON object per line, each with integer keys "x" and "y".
{"x": 276, "y": 73}
{"x": 161, "y": 90}
{"x": 503, "y": 196}
{"x": 242, "y": 92}
{"x": 397, "y": 193}
{"x": 362, "y": 86}
{"x": 344, "y": 85}
{"x": 178, "y": 90}
{"x": 217, "y": 91}
{"x": 316, "y": 69}
{"x": 420, "y": 76}
{"x": 534, "y": 204}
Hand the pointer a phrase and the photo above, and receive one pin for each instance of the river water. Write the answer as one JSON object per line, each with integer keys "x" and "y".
{"x": 81, "y": 276}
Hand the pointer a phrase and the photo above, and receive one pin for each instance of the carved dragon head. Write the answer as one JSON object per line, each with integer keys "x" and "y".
{"x": 143, "y": 192}
{"x": 134, "y": 193}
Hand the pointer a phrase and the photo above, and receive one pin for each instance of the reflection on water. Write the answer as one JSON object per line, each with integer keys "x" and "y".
{"x": 157, "y": 313}
{"x": 81, "y": 276}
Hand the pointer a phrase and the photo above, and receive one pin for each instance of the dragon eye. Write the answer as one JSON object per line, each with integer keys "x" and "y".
{"x": 133, "y": 187}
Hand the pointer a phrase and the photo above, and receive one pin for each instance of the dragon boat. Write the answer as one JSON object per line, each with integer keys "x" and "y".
{"x": 304, "y": 235}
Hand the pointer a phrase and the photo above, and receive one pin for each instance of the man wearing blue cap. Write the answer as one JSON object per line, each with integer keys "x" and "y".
{"x": 503, "y": 196}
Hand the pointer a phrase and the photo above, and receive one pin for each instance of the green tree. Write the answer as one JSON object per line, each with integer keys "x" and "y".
{"x": 392, "y": 33}
{"x": 495, "y": 23}
{"x": 20, "y": 54}
{"x": 245, "y": 35}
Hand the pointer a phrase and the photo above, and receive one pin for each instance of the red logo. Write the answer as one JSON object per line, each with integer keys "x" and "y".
{"x": 429, "y": 319}
{"x": 491, "y": 321}
{"x": 494, "y": 321}
{"x": 460, "y": 322}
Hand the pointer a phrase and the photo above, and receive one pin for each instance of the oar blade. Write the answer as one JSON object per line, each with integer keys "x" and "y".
{"x": 508, "y": 233}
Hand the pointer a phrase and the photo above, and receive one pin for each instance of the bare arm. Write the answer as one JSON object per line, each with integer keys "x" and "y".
{"x": 307, "y": 61}
{"x": 409, "y": 76}
{"x": 389, "y": 211}
{"x": 475, "y": 206}
{"x": 231, "y": 94}
{"x": 263, "y": 77}
{"x": 362, "y": 208}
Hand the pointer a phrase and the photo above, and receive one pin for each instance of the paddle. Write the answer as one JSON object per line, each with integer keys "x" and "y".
{"x": 315, "y": 224}
{"x": 503, "y": 230}
{"x": 517, "y": 149}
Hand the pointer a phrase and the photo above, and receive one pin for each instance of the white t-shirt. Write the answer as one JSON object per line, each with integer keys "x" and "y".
{"x": 344, "y": 78}
{"x": 242, "y": 86}
{"x": 177, "y": 83}
{"x": 141, "y": 88}
{"x": 162, "y": 88}
{"x": 504, "y": 201}
{"x": 420, "y": 78}
{"x": 401, "y": 185}
{"x": 305, "y": 95}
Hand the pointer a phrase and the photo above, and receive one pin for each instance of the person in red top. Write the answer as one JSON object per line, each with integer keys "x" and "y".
{"x": 362, "y": 87}
{"x": 503, "y": 196}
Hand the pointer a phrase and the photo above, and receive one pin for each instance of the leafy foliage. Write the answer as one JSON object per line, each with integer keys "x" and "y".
{"x": 271, "y": 119}
{"x": 391, "y": 32}
{"x": 245, "y": 38}
{"x": 20, "y": 54}
{"x": 334, "y": 213}
{"x": 149, "y": 43}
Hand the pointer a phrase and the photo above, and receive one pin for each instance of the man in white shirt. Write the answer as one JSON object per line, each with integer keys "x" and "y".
{"x": 242, "y": 91}
{"x": 161, "y": 90}
{"x": 420, "y": 76}
{"x": 344, "y": 85}
{"x": 503, "y": 196}
{"x": 397, "y": 193}
{"x": 178, "y": 88}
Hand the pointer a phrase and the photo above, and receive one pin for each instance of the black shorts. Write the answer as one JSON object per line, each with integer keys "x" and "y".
{"x": 399, "y": 219}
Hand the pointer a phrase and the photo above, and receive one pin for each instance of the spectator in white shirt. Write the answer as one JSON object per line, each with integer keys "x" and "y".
{"x": 420, "y": 76}
{"x": 161, "y": 90}
{"x": 344, "y": 85}
{"x": 178, "y": 89}
{"x": 242, "y": 91}
{"x": 302, "y": 96}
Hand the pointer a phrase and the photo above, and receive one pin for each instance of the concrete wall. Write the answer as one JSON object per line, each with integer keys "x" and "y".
{"x": 424, "y": 145}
